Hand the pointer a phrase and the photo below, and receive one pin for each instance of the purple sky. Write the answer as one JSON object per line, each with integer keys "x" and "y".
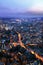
{"x": 9, "y": 7}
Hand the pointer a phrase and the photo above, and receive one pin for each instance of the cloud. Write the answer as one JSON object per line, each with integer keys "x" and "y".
{"x": 37, "y": 6}
{"x": 13, "y": 6}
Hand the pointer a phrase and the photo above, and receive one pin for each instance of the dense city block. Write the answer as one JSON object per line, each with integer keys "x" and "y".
{"x": 21, "y": 41}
